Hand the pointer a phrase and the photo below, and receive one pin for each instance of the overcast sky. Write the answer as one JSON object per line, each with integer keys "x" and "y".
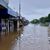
{"x": 31, "y": 9}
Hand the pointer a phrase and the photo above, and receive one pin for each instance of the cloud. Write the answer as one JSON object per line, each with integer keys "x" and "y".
{"x": 37, "y": 13}
{"x": 31, "y": 8}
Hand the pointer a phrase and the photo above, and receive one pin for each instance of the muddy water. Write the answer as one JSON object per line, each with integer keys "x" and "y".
{"x": 31, "y": 37}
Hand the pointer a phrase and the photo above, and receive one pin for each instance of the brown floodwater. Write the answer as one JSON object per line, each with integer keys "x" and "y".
{"x": 30, "y": 37}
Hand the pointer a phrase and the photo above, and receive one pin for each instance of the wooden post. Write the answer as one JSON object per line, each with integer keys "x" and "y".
{"x": 9, "y": 26}
{"x": 5, "y": 26}
{"x": 0, "y": 27}
{"x": 17, "y": 25}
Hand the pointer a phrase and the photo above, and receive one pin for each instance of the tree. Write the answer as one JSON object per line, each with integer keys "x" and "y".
{"x": 48, "y": 17}
{"x": 35, "y": 21}
{"x": 42, "y": 19}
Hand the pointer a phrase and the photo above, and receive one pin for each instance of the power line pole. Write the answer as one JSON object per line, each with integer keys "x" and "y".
{"x": 19, "y": 7}
{"x": 19, "y": 15}
{"x": 19, "y": 24}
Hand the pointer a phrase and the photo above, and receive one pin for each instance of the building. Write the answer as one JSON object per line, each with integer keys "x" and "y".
{"x": 3, "y": 13}
{"x": 13, "y": 19}
{"x": 8, "y": 18}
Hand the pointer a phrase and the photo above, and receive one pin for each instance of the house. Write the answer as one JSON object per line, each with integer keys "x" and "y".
{"x": 3, "y": 13}
{"x": 8, "y": 18}
{"x": 13, "y": 19}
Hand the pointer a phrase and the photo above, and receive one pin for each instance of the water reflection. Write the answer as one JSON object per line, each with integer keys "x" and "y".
{"x": 8, "y": 41}
{"x": 31, "y": 37}
{"x": 35, "y": 37}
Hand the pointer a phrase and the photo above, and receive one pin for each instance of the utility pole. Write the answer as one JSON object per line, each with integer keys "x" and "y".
{"x": 19, "y": 24}
{"x": 19, "y": 15}
{"x": 19, "y": 7}
{"x": 18, "y": 21}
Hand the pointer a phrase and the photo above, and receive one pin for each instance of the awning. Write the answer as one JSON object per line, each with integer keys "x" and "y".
{"x": 3, "y": 11}
{"x": 11, "y": 12}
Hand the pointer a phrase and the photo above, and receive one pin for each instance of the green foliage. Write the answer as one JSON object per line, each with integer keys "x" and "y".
{"x": 35, "y": 21}
{"x": 48, "y": 17}
{"x": 45, "y": 19}
{"x": 42, "y": 19}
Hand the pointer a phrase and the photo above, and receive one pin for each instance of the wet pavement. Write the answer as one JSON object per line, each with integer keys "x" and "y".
{"x": 31, "y": 37}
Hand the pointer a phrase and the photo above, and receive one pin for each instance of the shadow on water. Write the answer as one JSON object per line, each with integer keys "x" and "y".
{"x": 7, "y": 41}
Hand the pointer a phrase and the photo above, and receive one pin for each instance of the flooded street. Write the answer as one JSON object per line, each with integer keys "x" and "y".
{"x": 31, "y": 37}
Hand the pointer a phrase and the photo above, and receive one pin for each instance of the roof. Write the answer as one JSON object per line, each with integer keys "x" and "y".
{"x": 11, "y": 12}
{"x": 3, "y": 3}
